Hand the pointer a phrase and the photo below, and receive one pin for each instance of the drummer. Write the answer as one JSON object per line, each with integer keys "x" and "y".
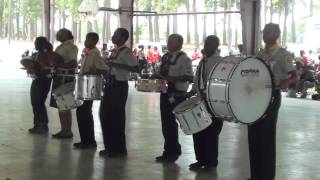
{"x": 40, "y": 85}
{"x": 113, "y": 104}
{"x": 262, "y": 134}
{"x": 92, "y": 64}
{"x": 206, "y": 142}
{"x": 69, "y": 53}
{"x": 176, "y": 69}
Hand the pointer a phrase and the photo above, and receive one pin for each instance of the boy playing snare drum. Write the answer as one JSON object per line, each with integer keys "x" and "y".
{"x": 91, "y": 63}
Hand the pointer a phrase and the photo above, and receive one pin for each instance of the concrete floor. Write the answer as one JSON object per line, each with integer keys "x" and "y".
{"x": 31, "y": 157}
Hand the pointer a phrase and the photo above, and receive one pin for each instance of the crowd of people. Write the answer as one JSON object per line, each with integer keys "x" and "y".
{"x": 176, "y": 69}
{"x": 308, "y": 70}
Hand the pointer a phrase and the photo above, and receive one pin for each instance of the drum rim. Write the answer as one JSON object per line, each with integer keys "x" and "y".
{"x": 194, "y": 105}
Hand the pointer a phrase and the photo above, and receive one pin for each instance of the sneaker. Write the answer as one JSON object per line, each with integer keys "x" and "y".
{"x": 304, "y": 95}
{"x": 80, "y": 145}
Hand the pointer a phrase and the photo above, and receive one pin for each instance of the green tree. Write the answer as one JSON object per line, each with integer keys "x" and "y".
{"x": 62, "y": 6}
{"x": 31, "y": 10}
{"x": 1, "y": 17}
{"x": 148, "y": 6}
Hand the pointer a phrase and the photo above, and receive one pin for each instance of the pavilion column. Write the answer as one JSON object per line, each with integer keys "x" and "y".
{"x": 126, "y": 18}
{"x": 46, "y": 18}
{"x": 251, "y": 34}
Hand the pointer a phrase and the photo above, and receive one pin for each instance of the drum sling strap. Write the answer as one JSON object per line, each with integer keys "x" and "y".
{"x": 111, "y": 78}
{"x": 164, "y": 69}
{"x": 202, "y": 85}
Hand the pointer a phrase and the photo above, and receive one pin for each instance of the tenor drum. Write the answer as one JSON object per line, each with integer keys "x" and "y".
{"x": 240, "y": 90}
{"x": 64, "y": 96}
{"x": 150, "y": 85}
{"x": 89, "y": 87}
{"x": 192, "y": 115}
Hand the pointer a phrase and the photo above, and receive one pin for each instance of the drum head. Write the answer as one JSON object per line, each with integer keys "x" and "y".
{"x": 187, "y": 104}
{"x": 250, "y": 90}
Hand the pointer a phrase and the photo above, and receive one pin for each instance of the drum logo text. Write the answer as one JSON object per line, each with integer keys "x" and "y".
{"x": 249, "y": 72}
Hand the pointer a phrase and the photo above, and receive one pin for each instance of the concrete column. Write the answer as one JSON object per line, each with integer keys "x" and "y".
{"x": 126, "y": 18}
{"x": 46, "y": 18}
{"x": 250, "y": 16}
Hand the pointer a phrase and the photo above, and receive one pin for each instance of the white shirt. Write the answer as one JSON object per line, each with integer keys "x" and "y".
{"x": 122, "y": 56}
{"x": 68, "y": 51}
{"x": 202, "y": 75}
{"x": 182, "y": 67}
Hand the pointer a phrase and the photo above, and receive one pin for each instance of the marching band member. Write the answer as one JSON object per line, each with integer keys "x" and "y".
{"x": 69, "y": 52}
{"x": 40, "y": 85}
{"x": 206, "y": 141}
{"x": 113, "y": 103}
{"x": 91, "y": 63}
{"x": 176, "y": 69}
{"x": 262, "y": 134}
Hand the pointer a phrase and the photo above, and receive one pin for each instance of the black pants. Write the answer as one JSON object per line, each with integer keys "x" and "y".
{"x": 262, "y": 143}
{"x": 169, "y": 124}
{"x": 206, "y": 143}
{"x": 113, "y": 116}
{"x": 40, "y": 88}
{"x": 85, "y": 122}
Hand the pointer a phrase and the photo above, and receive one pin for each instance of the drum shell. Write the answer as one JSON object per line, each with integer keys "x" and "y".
{"x": 192, "y": 115}
{"x": 65, "y": 98}
{"x": 218, "y": 85}
{"x": 150, "y": 85}
{"x": 89, "y": 87}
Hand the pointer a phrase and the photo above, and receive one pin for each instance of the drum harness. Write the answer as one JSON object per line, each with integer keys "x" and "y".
{"x": 164, "y": 71}
{"x": 202, "y": 85}
{"x": 108, "y": 76}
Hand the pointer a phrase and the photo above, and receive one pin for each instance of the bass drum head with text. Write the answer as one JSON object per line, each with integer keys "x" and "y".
{"x": 250, "y": 90}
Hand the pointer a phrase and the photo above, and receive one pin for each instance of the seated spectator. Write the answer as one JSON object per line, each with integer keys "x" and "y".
{"x": 195, "y": 55}
{"x": 306, "y": 80}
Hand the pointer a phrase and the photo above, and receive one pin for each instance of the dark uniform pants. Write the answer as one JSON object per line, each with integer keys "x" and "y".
{"x": 169, "y": 124}
{"x": 206, "y": 143}
{"x": 113, "y": 116}
{"x": 85, "y": 122}
{"x": 262, "y": 143}
{"x": 40, "y": 88}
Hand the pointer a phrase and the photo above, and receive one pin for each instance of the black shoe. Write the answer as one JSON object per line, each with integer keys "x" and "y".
{"x": 167, "y": 158}
{"x": 80, "y": 145}
{"x": 104, "y": 153}
{"x": 38, "y": 130}
{"x": 195, "y": 166}
{"x": 63, "y": 136}
{"x": 117, "y": 155}
{"x": 57, "y": 134}
{"x": 208, "y": 167}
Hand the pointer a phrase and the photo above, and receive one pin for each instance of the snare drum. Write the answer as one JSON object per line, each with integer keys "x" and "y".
{"x": 64, "y": 96}
{"x": 89, "y": 87}
{"x": 240, "y": 90}
{"x": 150, "y": 85}
{"x": 192, "y": 115}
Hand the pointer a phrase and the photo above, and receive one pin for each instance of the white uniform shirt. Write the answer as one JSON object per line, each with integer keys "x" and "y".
{"x": 91, "y": 62}
{"x": 122, "y": 56}
{"x": 68, "y": 51}
{"x": 182, "y": 67}
{"x": 280, "y": 62}
{"x": 201, "y": 78}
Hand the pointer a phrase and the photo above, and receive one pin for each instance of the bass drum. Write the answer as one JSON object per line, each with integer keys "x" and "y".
{"x": 240, "y": 90}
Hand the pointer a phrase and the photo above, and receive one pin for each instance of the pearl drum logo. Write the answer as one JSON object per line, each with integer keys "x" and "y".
{"x": 250, "y": 72}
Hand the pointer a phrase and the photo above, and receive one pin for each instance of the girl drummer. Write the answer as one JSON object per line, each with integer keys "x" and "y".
{"x": 41, "y": 83}
{"x": 206, "y": 141}
{"x": 69, "y": 53}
